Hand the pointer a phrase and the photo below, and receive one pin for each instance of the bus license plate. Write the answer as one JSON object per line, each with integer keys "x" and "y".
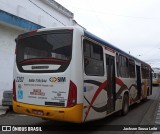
{"x": 38, "y": 112}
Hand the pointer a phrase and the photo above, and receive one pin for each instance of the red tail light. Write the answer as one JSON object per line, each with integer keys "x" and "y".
{"x": 72, "y": 96}
{"x": 14, "y": 90}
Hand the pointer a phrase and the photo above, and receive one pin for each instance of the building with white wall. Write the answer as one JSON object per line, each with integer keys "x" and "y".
{"x": 18, "y": 17}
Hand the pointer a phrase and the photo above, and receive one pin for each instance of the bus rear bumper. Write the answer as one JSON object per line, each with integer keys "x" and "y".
{"x": 71, "y": 114}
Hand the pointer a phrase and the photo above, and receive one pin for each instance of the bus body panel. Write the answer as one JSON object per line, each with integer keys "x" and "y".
{"x": 95, "y": 98}
{"x": 43, "y": 89}
{"x": 146, "y": 87}
{"x": 76, "y": 72}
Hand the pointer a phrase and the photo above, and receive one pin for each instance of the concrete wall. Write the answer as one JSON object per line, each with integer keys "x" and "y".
{"x": 19, "y": 16}
{"x": 7, "y": 49}
{"x": 38, "y": 11}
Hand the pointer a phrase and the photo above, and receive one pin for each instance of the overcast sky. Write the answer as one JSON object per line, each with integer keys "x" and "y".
{"x": 131, "y": 25}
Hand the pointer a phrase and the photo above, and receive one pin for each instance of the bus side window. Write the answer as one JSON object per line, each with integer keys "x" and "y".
{"x": 145, "y": 72}
{"x": 123, "y": 67}
{"x": 131, "y": 68}
{"x": 87, "y": 49}
{"x": 93, "y": 59}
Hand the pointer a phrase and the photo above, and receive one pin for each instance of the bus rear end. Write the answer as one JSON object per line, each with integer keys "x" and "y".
{"x": 42, "y": 84}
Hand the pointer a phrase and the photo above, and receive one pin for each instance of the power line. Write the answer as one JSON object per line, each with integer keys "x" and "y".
{"x": 113, "y": 14}
{"x": 47, "y": 12}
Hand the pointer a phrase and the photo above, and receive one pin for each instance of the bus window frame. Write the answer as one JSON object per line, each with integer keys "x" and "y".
{"x": 91, "y": 42}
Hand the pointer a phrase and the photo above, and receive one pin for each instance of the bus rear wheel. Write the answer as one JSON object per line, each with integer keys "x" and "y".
{"x": 125, "y": 104}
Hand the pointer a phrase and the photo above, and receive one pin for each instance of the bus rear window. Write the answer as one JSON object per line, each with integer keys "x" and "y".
{"x": 45, "y": 48}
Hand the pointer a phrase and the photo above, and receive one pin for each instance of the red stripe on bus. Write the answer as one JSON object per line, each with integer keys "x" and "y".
{"x": 119, "y": 82}
{"x": 41, "y": 60}
{"x": 101, "y": 87}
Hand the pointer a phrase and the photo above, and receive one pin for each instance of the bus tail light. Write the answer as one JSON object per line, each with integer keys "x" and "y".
{"x": 72, "y": 96}
{"x": 14, "y": 90}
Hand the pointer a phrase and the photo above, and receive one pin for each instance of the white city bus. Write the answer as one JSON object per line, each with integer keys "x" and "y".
{"x": 69, "y": 74}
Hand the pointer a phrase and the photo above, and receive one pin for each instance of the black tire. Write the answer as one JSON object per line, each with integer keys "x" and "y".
{"x": 145, "y": 99}
{"x": 125, "y": 104}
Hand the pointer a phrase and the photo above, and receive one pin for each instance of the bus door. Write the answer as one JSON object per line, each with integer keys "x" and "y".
{"x": 139, "y": 88}
{"x": 110, "y": 70}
